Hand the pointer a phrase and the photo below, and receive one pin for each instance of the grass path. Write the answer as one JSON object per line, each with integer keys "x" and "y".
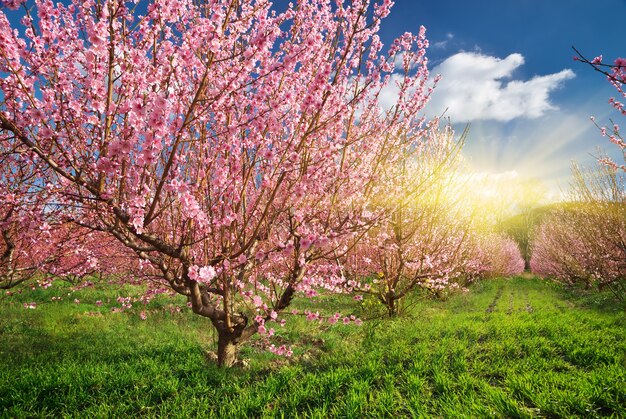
{"x": 510, "y": 348}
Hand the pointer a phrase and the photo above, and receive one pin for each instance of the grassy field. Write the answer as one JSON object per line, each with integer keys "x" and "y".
{"x": 509, "y": 348}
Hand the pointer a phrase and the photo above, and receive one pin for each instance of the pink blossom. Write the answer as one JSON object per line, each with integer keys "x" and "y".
{"x": 202, "y": 274}
{"x": 206, "y": 273}
{"x": 312, "y": 316}
{"x": 11, "y": 4}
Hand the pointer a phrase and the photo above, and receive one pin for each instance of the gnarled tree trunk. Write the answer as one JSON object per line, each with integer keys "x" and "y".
{"x": 227, "y": 349}
{"x": 229, "y": 339}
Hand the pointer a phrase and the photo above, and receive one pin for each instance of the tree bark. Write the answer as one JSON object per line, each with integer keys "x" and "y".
{"x": 228, "y": 341}
{"x": 227, "y": 348}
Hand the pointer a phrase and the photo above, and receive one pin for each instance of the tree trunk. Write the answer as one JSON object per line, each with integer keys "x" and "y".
{"x": 227, "y": 345}
{"x": 392, "y": 309}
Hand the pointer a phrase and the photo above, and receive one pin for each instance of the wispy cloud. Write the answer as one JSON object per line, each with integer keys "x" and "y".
{"x": 479, "y": 87}
{"x": 443, "y": 44}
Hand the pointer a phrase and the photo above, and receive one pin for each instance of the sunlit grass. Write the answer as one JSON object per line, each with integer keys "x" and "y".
{"x": 510, "y": 348}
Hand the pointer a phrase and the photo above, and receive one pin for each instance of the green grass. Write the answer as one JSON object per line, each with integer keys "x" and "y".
{"x": 509, "y": 348}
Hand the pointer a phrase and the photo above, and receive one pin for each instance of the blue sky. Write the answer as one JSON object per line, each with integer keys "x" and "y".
{"x": 519, "y": 52}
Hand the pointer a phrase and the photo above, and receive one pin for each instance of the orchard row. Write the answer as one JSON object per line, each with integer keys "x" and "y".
{"x": 232, "y": 154}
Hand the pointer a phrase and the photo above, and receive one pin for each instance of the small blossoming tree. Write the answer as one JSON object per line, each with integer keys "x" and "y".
{"x": 425, "y": 242}
{"x": 21, "y": 222}
{"x": 36, "y": 241}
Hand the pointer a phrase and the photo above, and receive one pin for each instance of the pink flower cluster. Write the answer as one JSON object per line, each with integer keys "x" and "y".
{"x": 11, "y": 4}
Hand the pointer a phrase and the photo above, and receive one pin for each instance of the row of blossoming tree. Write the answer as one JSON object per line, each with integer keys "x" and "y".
{"x": 434, "y": 238}
{"x": 220, "y": 150}
{"x": 585, "y": 241}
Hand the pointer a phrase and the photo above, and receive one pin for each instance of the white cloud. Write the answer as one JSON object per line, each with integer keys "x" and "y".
{"x": 474, "y": 87}
{"x": 389, "y": 94}
{"x": 399, "y": 63}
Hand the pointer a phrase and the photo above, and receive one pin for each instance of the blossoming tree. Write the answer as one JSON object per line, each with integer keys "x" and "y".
{"x": 21, "y": 224}
{"x": 37, "y": 241}
{"x": 501, "y": 256}
{"x": 231, "y": 148}
{"x": 425, "y": 242}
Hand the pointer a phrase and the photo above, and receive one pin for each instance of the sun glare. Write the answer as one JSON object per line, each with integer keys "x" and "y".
{"x": 540, "y": 149}
{"x": 488, "y": 198}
